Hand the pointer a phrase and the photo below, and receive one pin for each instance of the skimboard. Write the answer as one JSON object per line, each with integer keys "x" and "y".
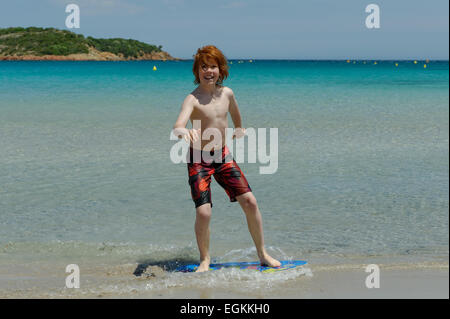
{"x": 255, "y": 265}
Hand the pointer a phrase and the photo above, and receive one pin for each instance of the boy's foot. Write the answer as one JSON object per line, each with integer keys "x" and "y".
{"x": 266, "y": 260}
{"x": 204, "y": 266}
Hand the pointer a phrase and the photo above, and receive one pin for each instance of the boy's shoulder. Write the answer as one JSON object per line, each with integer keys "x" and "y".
{"x": 226, "y": 90}
{"x": 191, "y": 97}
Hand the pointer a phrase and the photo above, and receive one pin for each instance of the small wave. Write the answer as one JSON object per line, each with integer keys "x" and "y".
{"x": 238, "y": 279}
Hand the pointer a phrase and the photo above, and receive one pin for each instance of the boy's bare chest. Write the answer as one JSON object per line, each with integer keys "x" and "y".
{"x": 214, "y": 109}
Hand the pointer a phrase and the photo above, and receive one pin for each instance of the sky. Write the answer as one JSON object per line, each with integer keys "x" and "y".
{"x": 255, "y": 29}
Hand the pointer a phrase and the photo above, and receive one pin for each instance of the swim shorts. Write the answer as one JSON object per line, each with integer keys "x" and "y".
{"x": 224, "y": 169}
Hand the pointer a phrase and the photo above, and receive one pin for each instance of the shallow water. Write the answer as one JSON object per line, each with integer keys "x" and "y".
{"x": 86, "y": 175}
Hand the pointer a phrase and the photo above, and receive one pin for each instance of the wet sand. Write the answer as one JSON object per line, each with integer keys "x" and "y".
{"x": 425, "y": 280}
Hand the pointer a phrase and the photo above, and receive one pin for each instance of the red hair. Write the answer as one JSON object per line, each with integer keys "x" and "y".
{"x": 206, "y": 53}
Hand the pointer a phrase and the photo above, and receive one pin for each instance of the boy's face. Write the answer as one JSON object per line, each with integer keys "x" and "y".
{"x": 208, "y": 72}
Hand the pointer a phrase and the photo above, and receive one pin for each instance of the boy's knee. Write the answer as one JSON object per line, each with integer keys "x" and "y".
{"x": 204, "y": 212}
{"x": 250, "y": 202}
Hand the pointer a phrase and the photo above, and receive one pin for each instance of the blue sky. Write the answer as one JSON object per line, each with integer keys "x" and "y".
{"x": 259, "y": 29}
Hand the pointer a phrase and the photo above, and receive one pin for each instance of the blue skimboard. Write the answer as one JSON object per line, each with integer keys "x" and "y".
{"x": 255, "y": 265}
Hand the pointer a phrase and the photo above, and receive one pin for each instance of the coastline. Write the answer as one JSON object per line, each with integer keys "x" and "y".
{"x": 93, "y": 55}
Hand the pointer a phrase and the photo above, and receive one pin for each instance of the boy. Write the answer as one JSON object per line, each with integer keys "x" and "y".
{"x": 209, "y": 103}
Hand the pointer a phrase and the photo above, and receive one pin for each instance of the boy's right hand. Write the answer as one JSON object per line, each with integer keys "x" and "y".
{"x": 192, "y": 135}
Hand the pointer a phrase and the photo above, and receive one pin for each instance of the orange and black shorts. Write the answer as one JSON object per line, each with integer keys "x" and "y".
{"x": 224, "y": 169}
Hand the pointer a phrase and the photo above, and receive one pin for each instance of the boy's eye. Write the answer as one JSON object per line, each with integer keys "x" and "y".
{"x": 211, "y": 66}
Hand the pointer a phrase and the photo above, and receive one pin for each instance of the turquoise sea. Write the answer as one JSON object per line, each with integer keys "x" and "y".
{"x": 86, "y": 177}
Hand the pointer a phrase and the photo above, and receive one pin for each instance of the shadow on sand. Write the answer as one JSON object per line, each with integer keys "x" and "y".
{"x": 169, "y": 265}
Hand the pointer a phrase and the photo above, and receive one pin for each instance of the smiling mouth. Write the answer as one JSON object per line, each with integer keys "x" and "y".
{"x": 209, "y": 77}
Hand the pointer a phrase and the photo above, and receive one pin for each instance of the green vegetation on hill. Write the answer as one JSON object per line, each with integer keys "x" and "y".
{"x": 128, "y": 47}
{"x": 51, "y": 41}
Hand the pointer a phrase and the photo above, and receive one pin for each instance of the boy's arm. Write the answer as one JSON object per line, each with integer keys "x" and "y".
{"x": 235, "y": 116}
{"x": 179, "y": 129}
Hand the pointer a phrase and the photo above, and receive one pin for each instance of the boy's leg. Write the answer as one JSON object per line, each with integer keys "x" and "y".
{"x": 254, "y": 222}
{"x": 203, "y": 216}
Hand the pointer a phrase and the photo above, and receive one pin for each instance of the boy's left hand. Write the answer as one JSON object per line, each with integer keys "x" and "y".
{"x": 238, "y": 132}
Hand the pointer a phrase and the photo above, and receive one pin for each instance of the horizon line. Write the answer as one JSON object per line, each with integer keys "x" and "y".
{"x": 247, "y": 60}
